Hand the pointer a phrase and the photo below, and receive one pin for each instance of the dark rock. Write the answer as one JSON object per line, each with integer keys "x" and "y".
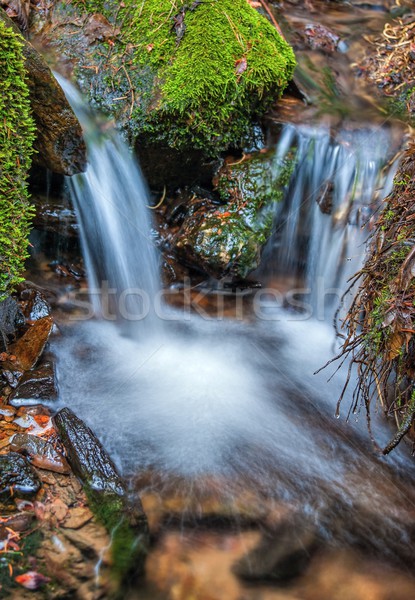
{"x": 11, "y": 318}
{"x": 36, "y": 385}
{"x": 29, "y": 347}
{"x": 10, "y": 374}
{"x": 33, "y": 303}
{"x": 40, "y": 452}
{"x": 59, "y": 141}
{"x": 55, "y": 216}
{"x": 17, "y": 477}
{"x": 282, "y": 553}
{"x": 107, "y": 494}
{"x": 90, "y": 462}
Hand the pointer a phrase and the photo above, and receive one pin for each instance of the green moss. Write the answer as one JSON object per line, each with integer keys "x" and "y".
{"x": 17, "y": 562}
{"x": 128, "y": 540}
{"x": 402, "y": 106}
{"x": 16, "y": 139}
{"x": 197, "y": 86}
{"x": 228, "y": 64}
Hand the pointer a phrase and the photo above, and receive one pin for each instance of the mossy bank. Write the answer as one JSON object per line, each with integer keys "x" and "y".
{"x": 17, "y": 133}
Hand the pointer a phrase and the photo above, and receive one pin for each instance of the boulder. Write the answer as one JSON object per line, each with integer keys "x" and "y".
{"x": 195, "y": 79}
{"x": 227, "y": 240}
{"x": 59, "y": 143}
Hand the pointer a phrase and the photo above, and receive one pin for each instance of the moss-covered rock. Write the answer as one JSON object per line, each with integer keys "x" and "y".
{"x": 217, "y": 64}
{"x": 184, "y": 74}
{"x": 227, "y": 240}
{"x": 16, "y": 140}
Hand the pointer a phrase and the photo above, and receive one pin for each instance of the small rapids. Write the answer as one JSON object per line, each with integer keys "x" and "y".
{"x": 231, "y": 400}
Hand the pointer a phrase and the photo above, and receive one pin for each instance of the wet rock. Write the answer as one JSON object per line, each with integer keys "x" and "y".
{"x": 33, "y": 303}
{"x": 228, "y": 239}
{"x": 107, "y": 494}
{"x": 40, "y": 452}
{"x": 59, "y": 141}
{"x": 321, "y": 38}
{"x": 11, "y": 319}
{"x": 18, "y": 522}
{"x": 89, "y": 460}
{"x": 36, "y": 385}
{"x": 282, "y": 553}
{"x": 10, "y": 374}
{"x": 29, "y": 347}
{"x": 55, "y": 216}
{"x": 17, "y": 477}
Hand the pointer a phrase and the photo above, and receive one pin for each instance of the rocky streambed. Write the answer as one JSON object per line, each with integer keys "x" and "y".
{"x": 71, "y": 526}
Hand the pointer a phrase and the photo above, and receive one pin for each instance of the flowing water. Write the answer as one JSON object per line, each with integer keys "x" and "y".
{"x": 110, "y": 200}
{"x": 235, "y": 401}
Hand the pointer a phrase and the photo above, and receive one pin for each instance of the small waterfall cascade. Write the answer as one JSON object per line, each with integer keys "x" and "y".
{"x": 323, "y": 223}
{"x": 111, "y": 201}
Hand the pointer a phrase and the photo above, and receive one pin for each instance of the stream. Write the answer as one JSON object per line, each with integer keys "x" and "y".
{"x": 208, "y": 400}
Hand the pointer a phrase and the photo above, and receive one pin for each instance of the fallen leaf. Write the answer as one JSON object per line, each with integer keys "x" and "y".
{"x": 32, "y": 580}
{"x": 42, "y": 420}
{"x": 240, "y": 65}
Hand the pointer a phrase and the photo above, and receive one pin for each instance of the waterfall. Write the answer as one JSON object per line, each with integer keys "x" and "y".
{"x": 111, "y": 201}
{"x": 322, "y": 227}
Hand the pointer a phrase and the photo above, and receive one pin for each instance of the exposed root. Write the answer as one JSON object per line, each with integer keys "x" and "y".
{"x": 380, "y": 325}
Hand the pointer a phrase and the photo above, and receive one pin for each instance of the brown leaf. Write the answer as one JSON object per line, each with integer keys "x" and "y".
{"x": 240, "y": 65}
{"x": 396, "y": 341}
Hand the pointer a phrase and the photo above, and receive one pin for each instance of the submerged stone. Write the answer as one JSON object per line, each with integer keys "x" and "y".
{"x": 282, "y": 554}
{"x": 228, "y": 239}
